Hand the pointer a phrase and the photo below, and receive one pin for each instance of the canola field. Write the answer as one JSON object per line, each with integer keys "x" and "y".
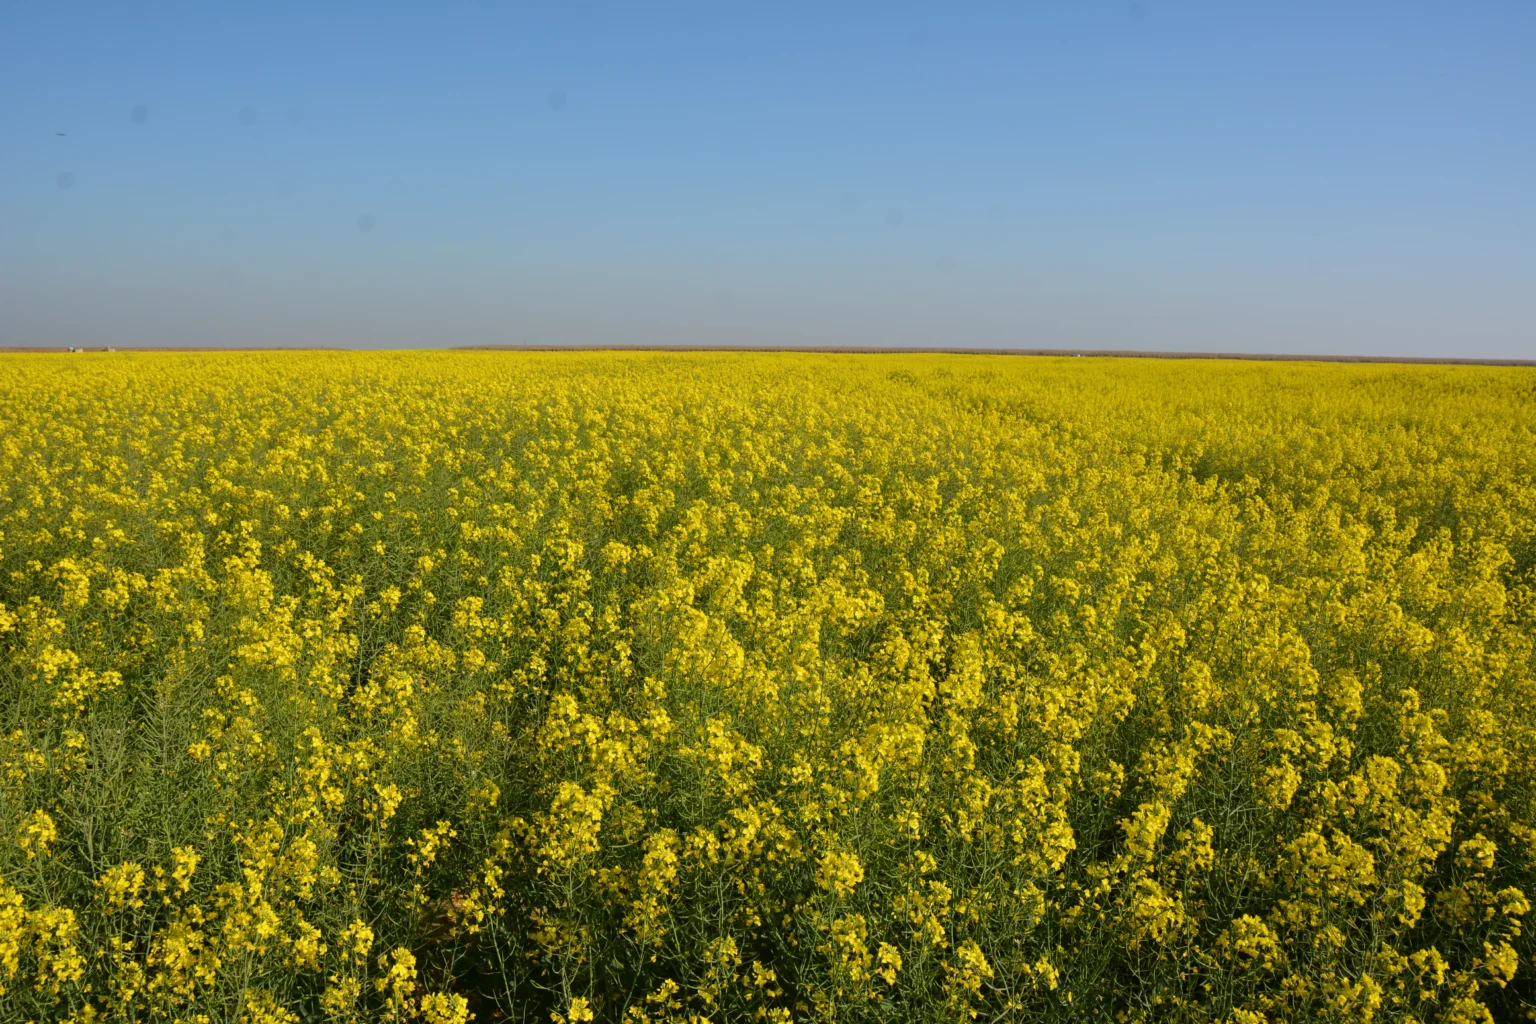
{"x": 728, "y": 687}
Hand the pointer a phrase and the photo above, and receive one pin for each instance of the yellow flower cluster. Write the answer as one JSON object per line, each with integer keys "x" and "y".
{"x": 683, "y": 688}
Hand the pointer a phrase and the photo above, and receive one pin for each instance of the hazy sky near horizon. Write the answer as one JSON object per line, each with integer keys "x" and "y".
{"x": 1301, "y": 177}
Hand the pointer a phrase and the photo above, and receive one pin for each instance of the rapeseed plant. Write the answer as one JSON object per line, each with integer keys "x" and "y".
{"x": 685, "y": 688}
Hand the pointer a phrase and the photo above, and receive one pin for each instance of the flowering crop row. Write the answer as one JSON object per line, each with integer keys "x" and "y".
{"x": 666, "y": 688}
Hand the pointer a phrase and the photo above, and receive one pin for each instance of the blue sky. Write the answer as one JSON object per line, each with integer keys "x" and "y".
{"x": 1278, "y": 177}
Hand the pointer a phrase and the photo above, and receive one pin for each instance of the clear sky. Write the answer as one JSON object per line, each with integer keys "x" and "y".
{"x": 1341, "y": 177}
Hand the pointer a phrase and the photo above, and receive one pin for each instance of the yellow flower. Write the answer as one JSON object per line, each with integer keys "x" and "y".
{"x": 262, "y": 1007}
{"x": 445, "y": 1008}
{"x": 185, "y": 860}
{"x": 13, "y": 920}
{"x": 398, "y": 979}
{"x": 839, "y": 872}
{"x": 122, "y": 885}
{"x": 340, "y": 997}
{"x": 356, "y": 939}
{"x": 37, "y": 833}
{"x": 578, "y": 1010}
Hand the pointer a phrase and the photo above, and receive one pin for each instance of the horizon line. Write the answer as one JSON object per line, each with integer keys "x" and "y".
{"x": 801, "y": 349}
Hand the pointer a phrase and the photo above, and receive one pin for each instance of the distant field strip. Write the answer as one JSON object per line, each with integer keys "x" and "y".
{"x": 686, "y": 687}
{"x": 868, "y": 350}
